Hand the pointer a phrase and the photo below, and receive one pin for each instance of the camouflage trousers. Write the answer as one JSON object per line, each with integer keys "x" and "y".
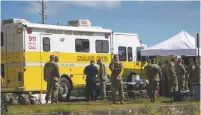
{"x": 117, "y": 85}
{"x": 103, "y": 89}
{"x": 172, "y": 85}
{"x": 53, "y": 90}
{"x": 181, "y": 82}
{"x": 186, "y": 81}
{"x": 154, "y": 87}
{"x": 3, "y": 104}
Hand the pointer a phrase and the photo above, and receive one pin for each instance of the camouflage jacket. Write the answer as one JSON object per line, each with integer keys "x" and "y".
{"x": 116, "y": 68}
{"x": 166, "y": 71}
{"x": 102, "y": 73}
{"x": 180, "y": 69}
{"x": 147, "y": 70}
{"x": 51, "y": 71}
{"x": 171, "y": 71}
{"x": 156, "y": 72}
{"x": 191, "y": 69}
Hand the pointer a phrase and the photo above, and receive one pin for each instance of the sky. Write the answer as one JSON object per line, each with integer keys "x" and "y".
{"x": 153, "y": 21}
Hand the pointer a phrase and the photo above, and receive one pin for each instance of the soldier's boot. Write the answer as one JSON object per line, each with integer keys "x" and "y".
{"x": 52, "y": 100}
{"x": 152, "y": 100}
{"x": 56, "y": 100}
{"x": 104, "y": 99}
{"x": 114, "y": 102}
{"x": 122, "y": 102}
{"x": 47, "y": 101}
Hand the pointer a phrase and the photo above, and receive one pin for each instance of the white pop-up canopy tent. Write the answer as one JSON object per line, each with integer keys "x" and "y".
{"x": 180, "y": 44}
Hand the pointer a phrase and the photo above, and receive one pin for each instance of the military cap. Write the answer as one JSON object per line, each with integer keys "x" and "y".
{"x": 149, "y": 61}
{"x": 191, "y": 59}
{"x": 52, "y": 56}
{"x": 179, "y": 60}
{"x": 99, "y": 60}
{"x": 166, "y": 61}
{"x": 115, "y": 55}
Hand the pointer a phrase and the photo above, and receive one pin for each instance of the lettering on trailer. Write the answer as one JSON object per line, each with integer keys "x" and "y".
{"x": 89, "y": 58}
{"x": 32, "y": 42}
{"x": 70, "y": 32}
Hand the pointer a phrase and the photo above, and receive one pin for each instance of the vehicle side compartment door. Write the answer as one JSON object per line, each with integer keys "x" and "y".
{"x": 45, "y": 52}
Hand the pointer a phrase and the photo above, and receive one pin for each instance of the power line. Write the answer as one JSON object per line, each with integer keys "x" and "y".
{"x": 42, "y": 13}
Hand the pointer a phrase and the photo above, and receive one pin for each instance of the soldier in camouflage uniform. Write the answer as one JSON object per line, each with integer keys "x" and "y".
{"x": 172, "y": 77}
{"x": 117, "y": 84}
{"x": 147, "y": 70}
{"x": 56, "y": 60}
{"x": 55, "y": 86}
{"x": 155, "y": 75}
{"x": 197, "y": 78}
{"x": 180, "y": 72}
{"x": 166, "y": 76}
{"x": 4, "y": 107}
{"x": 102, "y": 74}
{"x": 51, "y": 76}
{"x": 186, "y": 75}
{"x": 191, "y": 72}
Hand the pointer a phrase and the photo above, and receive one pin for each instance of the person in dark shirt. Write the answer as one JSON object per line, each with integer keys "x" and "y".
{"x": 91, "y": 71}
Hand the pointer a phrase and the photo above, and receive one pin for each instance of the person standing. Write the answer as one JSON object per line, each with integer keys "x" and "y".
{"x": 197, "y": 78}
{"x": 180, "y": 72}
{"x": 147, "y": 70}
{"x": 172, "y": 78}
{"x": 156, "y": 74}
{"x": 117, "y": 84}
{"x": 102, "y": 74}
{"x": 162, "y": 79}
{"x": 191, "y": 72}
{"x": 91, "y": 71}
{"x": 166, "y": 76}
{"x": 186, "y": 76}
{"x": 51, "y": 76}
{"x": 55, "y": 87}
{"x": 4, "y": 107}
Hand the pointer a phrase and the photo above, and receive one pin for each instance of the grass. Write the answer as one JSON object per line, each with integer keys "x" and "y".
{"x": 79, "y": 106}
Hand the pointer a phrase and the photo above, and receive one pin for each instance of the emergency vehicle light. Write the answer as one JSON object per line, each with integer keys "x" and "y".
{"x": 107, "y": 35}
{"x": 19, "y": 30}
{"x": 29, "y": 30}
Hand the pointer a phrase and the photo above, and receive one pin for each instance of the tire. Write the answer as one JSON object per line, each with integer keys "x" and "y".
{"x": 64, "y": 90}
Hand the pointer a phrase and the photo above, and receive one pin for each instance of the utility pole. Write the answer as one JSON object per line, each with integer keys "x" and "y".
{"x": 199, "y": 58}
{"x": 44, "y": 17}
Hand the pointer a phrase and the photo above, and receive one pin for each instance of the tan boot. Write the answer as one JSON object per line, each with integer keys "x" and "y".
{"x": 122, "y": 102}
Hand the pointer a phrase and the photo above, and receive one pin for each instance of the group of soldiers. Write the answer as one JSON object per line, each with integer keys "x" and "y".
{"x": 117, "y": 84}
{"x": 51, "y": 76}
{"x": 172, "y": 76}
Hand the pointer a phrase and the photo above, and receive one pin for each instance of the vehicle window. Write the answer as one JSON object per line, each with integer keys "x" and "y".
{"x": 102, "y": 46}
{"x": 2, "y": 71}
{"x": 122, "y": 53}
{"x": 82, "y": 45}
{"x": 2, "y": 39}
{"x": 130, "y": 54}
{"x": 46, "y": 44}
{"x": 138, "y": 53}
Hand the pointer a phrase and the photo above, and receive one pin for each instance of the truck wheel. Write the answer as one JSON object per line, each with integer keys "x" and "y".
{"x": 64, "y": 90}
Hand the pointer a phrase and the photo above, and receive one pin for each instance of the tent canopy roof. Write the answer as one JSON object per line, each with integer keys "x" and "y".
{"x": 180, "y": 44}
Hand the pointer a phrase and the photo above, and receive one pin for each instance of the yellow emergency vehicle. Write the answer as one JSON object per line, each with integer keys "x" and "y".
{"x": 26, "y": 47}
